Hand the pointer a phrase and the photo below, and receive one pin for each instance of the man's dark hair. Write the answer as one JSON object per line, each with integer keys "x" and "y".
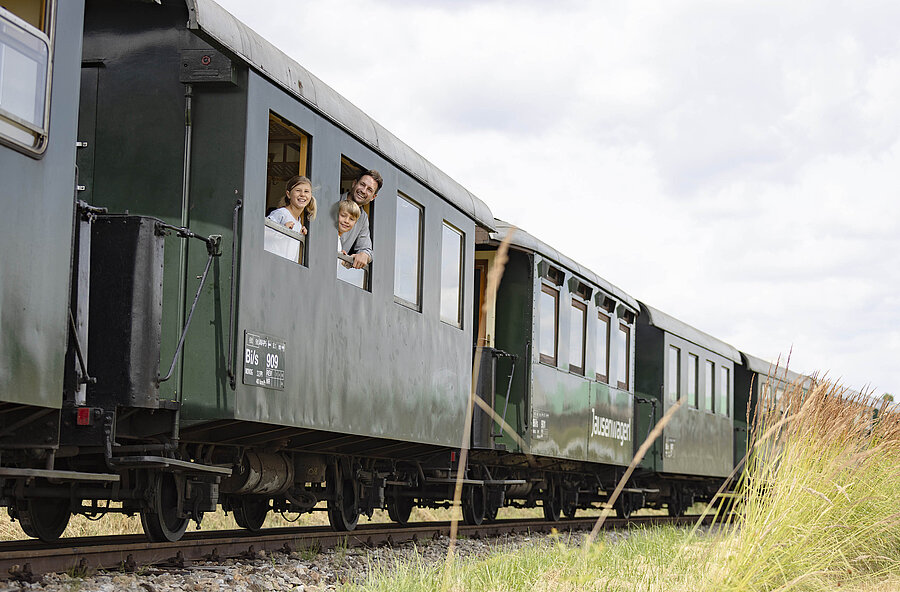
{"x": 375, "y": 175}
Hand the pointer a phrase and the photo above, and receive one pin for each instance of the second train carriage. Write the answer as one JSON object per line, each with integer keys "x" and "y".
{"x": 564, "y": 343}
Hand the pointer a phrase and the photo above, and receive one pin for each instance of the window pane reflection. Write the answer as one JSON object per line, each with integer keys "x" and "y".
{"x": 576, "y": 338}
{"x": 451, "y": 270}
{"x": 693, "y": 370}
{"x": 623, "y": 344}
{"x": 710, "y": 385}
{"x": 722, "y": 399}
{"x": 548, "y": 325}
{"x": 602, "y": 360}
{"x": 674, "y": 378}
{"x": 407, "y": 258}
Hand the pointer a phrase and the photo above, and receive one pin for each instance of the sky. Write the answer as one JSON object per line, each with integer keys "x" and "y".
{"x": 734, "y": 164}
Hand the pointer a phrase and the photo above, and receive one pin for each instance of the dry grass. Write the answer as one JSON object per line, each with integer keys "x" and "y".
{"x": 820, "y": 506}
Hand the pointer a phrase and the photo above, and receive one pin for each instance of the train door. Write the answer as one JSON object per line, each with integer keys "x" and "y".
{"x": 646, "y": 414}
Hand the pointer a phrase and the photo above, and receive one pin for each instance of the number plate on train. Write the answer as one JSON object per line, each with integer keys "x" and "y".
{"x": 264, "y": 360}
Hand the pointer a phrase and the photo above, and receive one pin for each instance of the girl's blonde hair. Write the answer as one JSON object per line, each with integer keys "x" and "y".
{"x": 293, "y": 182}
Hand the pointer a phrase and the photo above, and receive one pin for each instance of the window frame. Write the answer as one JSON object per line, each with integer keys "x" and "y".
{"x": 673, "y": 349}
{"x": 709, "y": 391}
{"x": 460, "y": 298}
{"x": 417, "y": 306}
{"x": 627, "y": 331}
{"x": 694, "y": 395}
{"x": 40, "y": 133}
{"x": 603, "y": 319}
{"x": 304, "y": 151}
{"x": 723, "y": 396}
{"x": 553, "y": 292}
{"x": 578, "y": 305}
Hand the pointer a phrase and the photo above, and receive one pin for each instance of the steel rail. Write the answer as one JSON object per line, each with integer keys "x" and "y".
{"x": 25, "y": 559}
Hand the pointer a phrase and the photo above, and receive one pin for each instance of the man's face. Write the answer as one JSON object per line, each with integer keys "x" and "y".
{"x": 364, "y": 190}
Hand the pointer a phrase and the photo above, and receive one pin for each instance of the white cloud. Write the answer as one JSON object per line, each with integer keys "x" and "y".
{"x": 739, "y": 159}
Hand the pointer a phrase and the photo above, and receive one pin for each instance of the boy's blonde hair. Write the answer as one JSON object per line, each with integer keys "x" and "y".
{"x": 349, "y": 207}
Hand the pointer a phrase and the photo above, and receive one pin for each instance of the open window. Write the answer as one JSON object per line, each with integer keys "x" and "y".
{"x": 350, "y": 172}
{"x": 288, "y": 157}
{"x": 25, "y": 57}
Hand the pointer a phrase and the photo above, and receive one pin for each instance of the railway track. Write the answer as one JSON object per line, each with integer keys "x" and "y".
{"x": 24, "y": 559}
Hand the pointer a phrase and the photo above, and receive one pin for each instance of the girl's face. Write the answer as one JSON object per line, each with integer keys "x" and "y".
{"x": 345, "y": 222}
{"x": 300, "y": 195}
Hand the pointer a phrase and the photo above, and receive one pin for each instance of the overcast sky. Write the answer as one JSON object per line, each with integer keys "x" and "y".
{"x": 734, "y": 164}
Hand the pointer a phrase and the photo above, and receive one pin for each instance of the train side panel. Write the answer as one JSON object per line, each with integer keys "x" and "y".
{"x": 36, "y": 237}
{"x": 354, "y": 360}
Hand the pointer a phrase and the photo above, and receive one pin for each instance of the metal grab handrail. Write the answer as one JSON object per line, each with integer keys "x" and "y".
{"x": 349, "y": 259}
{"x": 299, "y": 236}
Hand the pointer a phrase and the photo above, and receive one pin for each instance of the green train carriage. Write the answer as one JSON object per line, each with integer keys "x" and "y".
{"x": 570, "y": 399}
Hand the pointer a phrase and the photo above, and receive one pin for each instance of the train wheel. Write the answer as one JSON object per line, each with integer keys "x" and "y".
{"x": 250, "y": 512}
{"x": 676, "y": 504}
{"x": 43, "y": 518}
{"x": 569, "y": 511}
{"x": 160, "y": 517}
{"x": 399, "y": 507}
{"x": 490, "y": 515}
{"x": 623, "y": 506}
{"x": 343, "y": 501}
{"x": 552, "y": 501}
{"x": 474, "y": 503}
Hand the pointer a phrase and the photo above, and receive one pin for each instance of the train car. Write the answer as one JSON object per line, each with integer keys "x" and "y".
{"x": 40, "y": 49}
{"x": 754, "y": 380}
{"x": 676, "y": 362}
{"x": 558, "y": 353}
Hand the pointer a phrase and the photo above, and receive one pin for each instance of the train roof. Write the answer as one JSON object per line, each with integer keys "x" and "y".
{"x": 661, "y": 320}
{"x": 764, "y": 368}
{"x": 524, "y": 240}
{"x": 261, "y": 55}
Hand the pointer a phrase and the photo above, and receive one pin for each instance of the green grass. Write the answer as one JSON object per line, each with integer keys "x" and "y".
{"x": 819, "y": 509}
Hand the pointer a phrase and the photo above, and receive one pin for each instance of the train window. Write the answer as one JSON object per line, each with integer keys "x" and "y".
{"x": 24, "y": 76}
{"x": 624, "y": 356}
{"x": 451, "y": 275}
{"x": 288, "y": 158}
{"x": 408, "y": 253}
{"x": 576, "y": 336}
{"x": 602, "y": 348}
{"x": 724, "y": 386}
{"x": 674, "y": 377}
{"x": 709, "y": 387}
{"x": 549, "y": 311}
{"x": 693, "y": 370}
{"x": 350, "y": 172}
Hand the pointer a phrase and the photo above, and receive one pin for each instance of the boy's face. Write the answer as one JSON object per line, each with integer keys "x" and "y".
{"x": 345, "y": 222}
